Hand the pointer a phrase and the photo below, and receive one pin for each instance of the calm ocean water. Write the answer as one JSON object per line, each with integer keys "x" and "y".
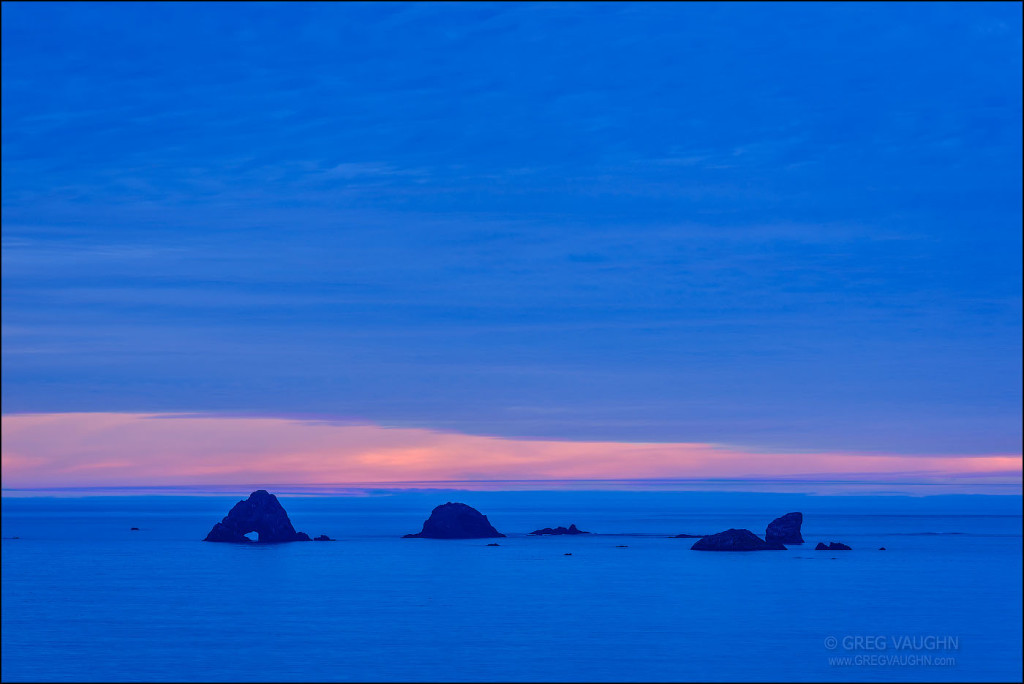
{"x": 86, "y": 599}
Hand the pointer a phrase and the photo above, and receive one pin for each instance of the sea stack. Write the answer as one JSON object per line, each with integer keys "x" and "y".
{"x": 735, "y": 540}
{"x": 785, "y": 530}
{"x": 261, "y": 513}
{"x": 560, "y": 530}
{"x": 833, "y": 546}
{"x": 456, "y": 521}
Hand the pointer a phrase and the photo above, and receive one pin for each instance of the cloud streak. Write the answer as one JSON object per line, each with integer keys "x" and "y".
{"x": 138, "y": 449}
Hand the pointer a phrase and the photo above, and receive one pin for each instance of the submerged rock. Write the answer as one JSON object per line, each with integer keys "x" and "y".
{"x": 785, "y": 530}
{"x": 560, "y": 530}
{"x": 833, "y": 546}
{"x": 261, "y": 513}
{"x": 689, "y": 536}
{"x": 456, "y": 521}
{"x": 735, "y": 540}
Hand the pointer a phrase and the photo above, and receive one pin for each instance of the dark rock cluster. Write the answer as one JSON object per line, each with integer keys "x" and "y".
{"x": 559, "y": 530}
{"x": 263, "y": 513}
{"x": 833, "y": 546}
{"x": 781, "y": 531}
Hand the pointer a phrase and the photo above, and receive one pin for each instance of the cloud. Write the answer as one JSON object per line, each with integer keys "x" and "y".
{"x": 426, "y": 213}
{"x": 136, "y": 449}
{"x": 355, "y": 170}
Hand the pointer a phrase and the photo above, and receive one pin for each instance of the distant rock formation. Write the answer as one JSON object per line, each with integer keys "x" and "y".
{"x": 456, "y": 521}
{"x": 833, "y": 546}
{"x": 260, "y": 513}
{"x": 735, "y": 540}
{"x": 689, "y": 536}
{"x": 785, "y": 530}
{"x": 494, "y": 545}
{"x": 323, "y": 537}
{"x": 560, "y": 530}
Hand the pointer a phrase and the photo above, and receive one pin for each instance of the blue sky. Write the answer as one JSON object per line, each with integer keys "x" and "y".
{"x": 785, "y": 226}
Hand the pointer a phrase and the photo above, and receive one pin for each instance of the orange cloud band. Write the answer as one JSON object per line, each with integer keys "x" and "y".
{"x": 137, "y": 449}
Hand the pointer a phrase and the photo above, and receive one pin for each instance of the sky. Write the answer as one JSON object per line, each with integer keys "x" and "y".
{"x": 654, "y": 239}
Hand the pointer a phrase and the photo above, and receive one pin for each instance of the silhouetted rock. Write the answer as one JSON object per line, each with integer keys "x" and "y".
{"x": 881, "y": 548}
{"x": 560, "y": 530}
{"x": 735, "y": 540}
{"x": 622, "y": 546}
{"x": 134, "y": 529}
{"x": 494, "y": 544}
{"x": 566, "y": 554}
{"x": 689, "y": 536}
{"x": 260, "y": 513}
{"x": 456, "y": 521}
{"x": 785, "y": 530}
{"x": 323, "y": 537}
{"x": 833, "y": 546}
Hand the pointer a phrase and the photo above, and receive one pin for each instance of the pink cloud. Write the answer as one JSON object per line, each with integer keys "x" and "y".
{"x": 135, "y": 449}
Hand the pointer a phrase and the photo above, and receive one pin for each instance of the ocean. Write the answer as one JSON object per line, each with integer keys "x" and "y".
{"x": 85, "y": 598}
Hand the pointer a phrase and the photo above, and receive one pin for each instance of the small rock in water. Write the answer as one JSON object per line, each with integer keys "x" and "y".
{"x": 323, "y": 537}
{"x": 833, "y": 546}
{"x": 494, "y": 545}
{"x": 135, "y": 529}
{"x": 689, "y": 536}
{"x": 566, "y": 554}
{"x": 622, "y": 546}
{"x": 881, "y": 548}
